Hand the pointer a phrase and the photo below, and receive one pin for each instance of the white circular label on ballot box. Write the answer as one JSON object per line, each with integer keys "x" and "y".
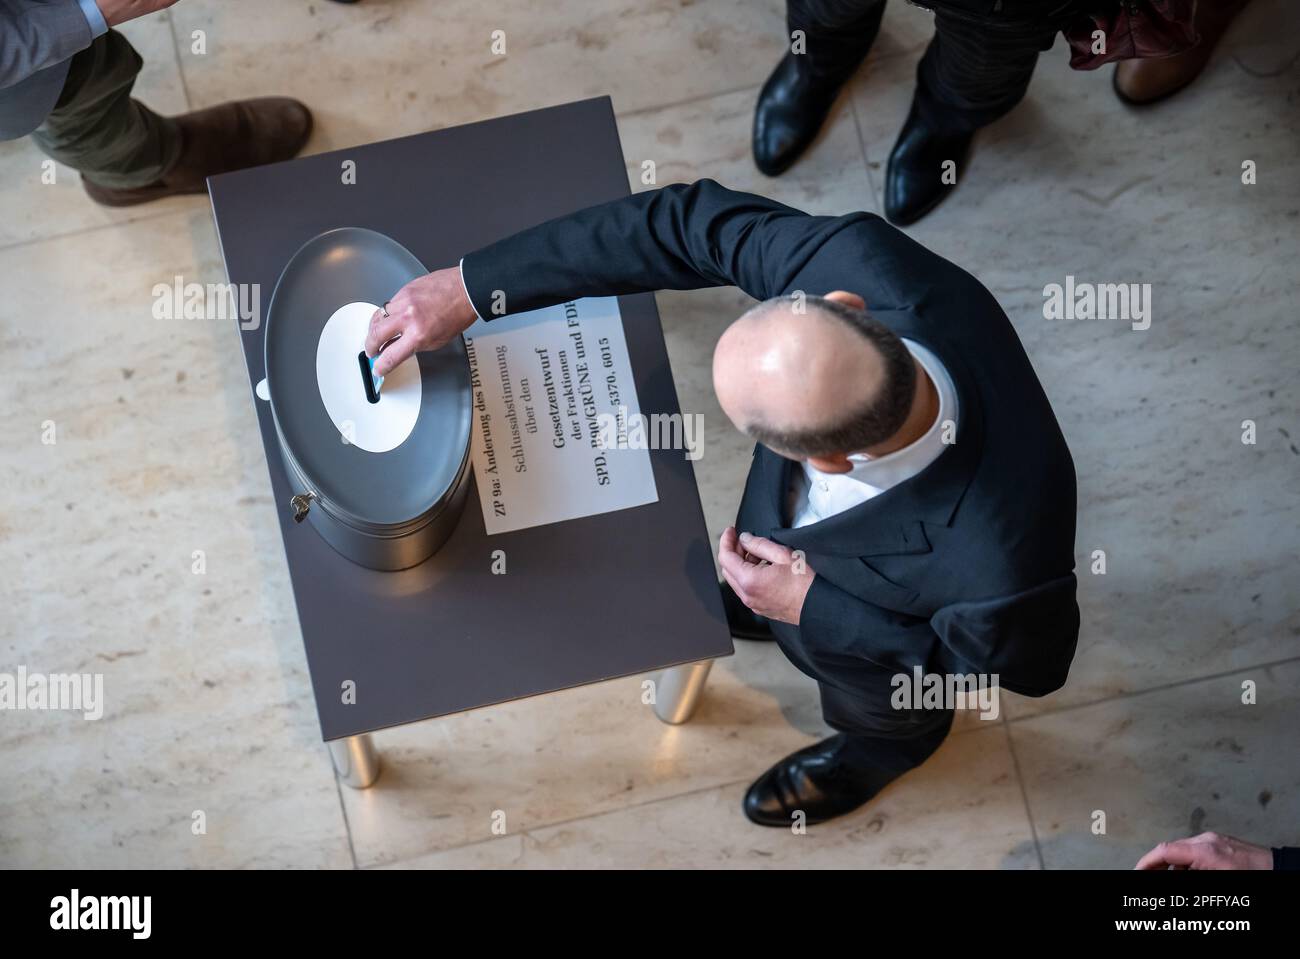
{"x": 374, "y": 427}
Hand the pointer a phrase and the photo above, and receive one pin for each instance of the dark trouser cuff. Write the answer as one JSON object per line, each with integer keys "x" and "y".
{"x": 837, "y": 33}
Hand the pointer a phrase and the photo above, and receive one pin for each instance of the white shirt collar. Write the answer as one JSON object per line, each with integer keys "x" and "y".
{"x": 818, "y": 495}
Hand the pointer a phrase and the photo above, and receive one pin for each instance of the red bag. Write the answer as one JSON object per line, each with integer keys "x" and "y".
{"x": 1134, "y": 29}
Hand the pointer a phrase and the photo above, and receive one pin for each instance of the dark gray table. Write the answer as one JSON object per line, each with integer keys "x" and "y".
{"x": 613, "y": 595}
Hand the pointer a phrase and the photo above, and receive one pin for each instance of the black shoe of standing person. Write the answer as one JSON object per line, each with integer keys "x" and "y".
{"x": 791, "y": 109}
{"x": 743, "y": 622}
{"x": 920, "y": 174}
{"x": 821, "y": 781}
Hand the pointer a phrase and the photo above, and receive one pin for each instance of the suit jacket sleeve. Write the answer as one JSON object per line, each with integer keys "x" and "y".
{"x": 35, "y": 34}
{"x": 683, "y": 237}
{"x": 1027, "y": 638}
{"x": 1286, "y": 857}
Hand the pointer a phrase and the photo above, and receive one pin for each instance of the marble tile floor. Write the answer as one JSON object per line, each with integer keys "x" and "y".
{"x": 158, "y": 456}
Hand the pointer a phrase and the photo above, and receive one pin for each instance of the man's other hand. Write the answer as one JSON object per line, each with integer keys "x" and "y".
{"x": 120, "y": 11}
{"x": 426, "y": 313}
{"x": 1209, "y": 850}
{"x": 767, "y": 577}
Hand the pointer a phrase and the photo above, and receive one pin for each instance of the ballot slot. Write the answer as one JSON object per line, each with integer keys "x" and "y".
{"x": 368, "y": 377}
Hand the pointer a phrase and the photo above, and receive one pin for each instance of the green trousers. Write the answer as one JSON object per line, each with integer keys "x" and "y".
{"x": 97, "y": 129}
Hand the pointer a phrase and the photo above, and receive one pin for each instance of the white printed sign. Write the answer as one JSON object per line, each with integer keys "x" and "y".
{"x": 546, "y": 384}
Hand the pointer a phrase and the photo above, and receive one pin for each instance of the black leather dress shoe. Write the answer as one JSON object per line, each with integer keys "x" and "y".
{"x": 743, "y": 622}
{"x": 791, "y": 109}
{"x": 823, "y": 781}
{"x": 914, "y": 181}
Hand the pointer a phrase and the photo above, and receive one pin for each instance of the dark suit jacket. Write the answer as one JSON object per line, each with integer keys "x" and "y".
{"x": 968, "y": 566}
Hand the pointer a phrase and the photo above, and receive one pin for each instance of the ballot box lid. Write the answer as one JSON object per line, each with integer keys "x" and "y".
{"x": 373, "y": 457}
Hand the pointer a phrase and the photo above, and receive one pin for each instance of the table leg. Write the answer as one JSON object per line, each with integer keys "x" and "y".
{"x": 679, "y": 690}
{"x": 355, "y": 760}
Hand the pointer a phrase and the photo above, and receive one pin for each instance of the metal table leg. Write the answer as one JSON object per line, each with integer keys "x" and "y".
{"x": 679, "y": 689}
{"x": 355, "y": 760}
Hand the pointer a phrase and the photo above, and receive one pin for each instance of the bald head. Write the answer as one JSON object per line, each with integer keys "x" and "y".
{"x": 811, "y": 376}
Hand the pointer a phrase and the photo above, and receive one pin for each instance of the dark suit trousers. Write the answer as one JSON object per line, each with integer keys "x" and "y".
{"x": 888, "y": 740}
{"x": 99, "y": 130}
{"x": 881, "y": 737}
{"x": 978, "y": 64}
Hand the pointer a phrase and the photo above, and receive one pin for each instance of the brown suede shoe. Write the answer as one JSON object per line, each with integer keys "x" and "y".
{"x": 232, "y": 136}
{"x": 1143, "y": 82}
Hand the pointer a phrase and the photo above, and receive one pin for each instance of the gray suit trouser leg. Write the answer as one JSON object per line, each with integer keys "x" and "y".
{"x": 99, "y": 130}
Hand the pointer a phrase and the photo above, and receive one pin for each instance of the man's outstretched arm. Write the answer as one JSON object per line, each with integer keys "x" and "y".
{"x": 681, "y": 237}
